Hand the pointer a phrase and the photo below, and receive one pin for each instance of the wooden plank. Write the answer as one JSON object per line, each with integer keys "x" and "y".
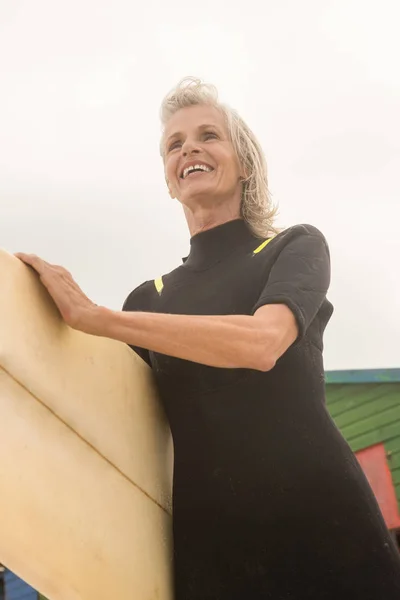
{"x": 392, "y": 446}
{"x": 373, "y": 424}
{"x": 376, "y": 436}
{"x": 393, "y": 460}
{"x": 336, "y": 392}
{"x": 397, "y": 490}
{"x": 369, "y": 408}
{"x": 396, "y": 475}
{"x": 348, "y": 398}
{"x": 357, "y": 395}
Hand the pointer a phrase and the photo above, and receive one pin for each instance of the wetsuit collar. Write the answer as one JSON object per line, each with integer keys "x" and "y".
{"x": 210, "y": 246}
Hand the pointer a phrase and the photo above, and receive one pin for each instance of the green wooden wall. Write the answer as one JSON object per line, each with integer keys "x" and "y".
{"x": 367, "y": 414}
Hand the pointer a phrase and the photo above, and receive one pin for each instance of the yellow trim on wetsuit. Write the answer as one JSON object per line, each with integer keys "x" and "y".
{"x": 159, "y": 284}
{"x": 261, "y": 246}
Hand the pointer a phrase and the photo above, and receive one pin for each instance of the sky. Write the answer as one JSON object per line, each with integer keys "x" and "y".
{"x": 82, "y": 182}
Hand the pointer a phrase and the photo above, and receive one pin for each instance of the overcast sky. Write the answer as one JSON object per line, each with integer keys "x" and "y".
{"x": 81, "y": 181}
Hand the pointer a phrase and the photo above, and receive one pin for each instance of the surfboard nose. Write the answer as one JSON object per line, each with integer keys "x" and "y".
{"x": 85, "y": 512}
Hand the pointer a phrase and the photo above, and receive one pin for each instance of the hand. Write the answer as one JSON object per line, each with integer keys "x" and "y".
{"x": 76, "y": 309}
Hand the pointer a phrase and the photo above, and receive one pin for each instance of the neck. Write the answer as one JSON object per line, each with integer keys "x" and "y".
{"x": 203, "y": 218}
{"x": 216, "y": 243}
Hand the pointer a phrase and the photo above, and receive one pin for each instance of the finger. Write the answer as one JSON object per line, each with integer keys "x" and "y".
{"x": 27, "y": 258}
{"x": 32, "y": 260}
{"x": 21, "y": 255}
{"x": 60, "y": 270}
{"x": 24, "y": 256}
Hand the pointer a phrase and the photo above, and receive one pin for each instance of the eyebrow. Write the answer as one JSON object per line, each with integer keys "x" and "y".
{"x": 201, "y": 128}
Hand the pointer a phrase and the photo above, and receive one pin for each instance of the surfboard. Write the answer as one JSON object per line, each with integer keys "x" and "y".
{"x": 86, "y": 456}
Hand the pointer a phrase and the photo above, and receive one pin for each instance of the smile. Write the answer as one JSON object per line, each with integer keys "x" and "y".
{"x": 198, "y": 168}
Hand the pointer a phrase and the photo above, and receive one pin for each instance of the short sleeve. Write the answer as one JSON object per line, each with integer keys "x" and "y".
{"x": 300, "y": 276}
{"x": 138, "y": 301}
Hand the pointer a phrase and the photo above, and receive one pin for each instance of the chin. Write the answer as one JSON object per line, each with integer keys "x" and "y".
{"x": 200, "y": 196}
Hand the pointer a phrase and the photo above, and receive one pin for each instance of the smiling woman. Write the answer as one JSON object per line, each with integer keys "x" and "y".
{"x": 269, "y": 502}
{"x": 191, "y": 114}
{"x": 201, "y": 164}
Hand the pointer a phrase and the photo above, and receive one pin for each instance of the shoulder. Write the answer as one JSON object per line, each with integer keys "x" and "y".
{"x": 303, "y": 230}
{"x": 140, "y": 297}
{"x": 295, "y": 252}
{"x": 144, "y": 296}
{"x": 298, "y": 238}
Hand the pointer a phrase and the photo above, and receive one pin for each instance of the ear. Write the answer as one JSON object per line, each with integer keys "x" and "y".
{"x": 170, "y": 190}
{"x": 242, "y": 173}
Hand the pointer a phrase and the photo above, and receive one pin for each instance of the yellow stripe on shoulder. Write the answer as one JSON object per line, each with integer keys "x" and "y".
{"x": 159, "y": 284}
{"x": 262, "y": 246}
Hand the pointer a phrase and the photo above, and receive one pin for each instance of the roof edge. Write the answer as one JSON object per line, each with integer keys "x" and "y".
{"x": 363, "y": 376}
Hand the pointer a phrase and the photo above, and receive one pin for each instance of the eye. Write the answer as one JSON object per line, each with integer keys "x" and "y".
{"x": 174, "y": 145}
{"x": 210, "y": 135}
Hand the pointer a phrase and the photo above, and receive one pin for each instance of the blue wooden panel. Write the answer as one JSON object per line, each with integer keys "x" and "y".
{"x": 16, "y": 589}
{"x": 363, "y": 376}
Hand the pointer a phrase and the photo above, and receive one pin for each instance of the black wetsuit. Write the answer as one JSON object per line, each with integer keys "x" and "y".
{"x": 269, "y": 501}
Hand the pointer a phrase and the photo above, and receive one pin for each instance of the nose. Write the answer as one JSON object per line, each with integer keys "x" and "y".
{"x": 190, "y": 147}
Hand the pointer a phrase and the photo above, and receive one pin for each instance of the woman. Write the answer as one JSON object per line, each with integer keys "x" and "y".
{"x": 269, "y": 501}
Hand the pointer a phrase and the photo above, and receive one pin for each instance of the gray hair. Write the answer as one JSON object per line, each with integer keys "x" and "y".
{"x": 257, "y": 208}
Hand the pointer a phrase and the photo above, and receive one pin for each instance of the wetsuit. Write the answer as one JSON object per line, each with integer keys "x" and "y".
{"x": 269, "y": 501}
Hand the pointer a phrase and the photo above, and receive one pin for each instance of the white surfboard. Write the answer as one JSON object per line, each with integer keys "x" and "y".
{"x": 86, "y": 456}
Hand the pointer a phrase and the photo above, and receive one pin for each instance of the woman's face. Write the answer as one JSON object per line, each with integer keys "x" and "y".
{"x": 197, "y": 135}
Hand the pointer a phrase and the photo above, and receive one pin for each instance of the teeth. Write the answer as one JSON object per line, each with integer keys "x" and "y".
{"x": 194, "y": 167}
